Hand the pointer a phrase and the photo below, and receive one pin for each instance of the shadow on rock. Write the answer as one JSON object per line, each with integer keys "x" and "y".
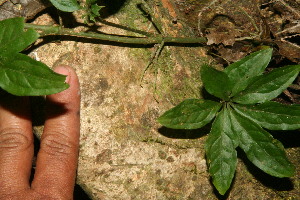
{"x": 279, "y": 184}
{"x": 184, "y": 134}
{"x": 111, "y": 7}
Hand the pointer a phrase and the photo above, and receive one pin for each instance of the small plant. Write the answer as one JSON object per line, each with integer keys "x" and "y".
{"x": 241, "y": 115}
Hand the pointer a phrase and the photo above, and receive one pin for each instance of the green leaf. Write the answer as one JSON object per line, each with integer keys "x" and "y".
{"x": 21, "y": 75}
{"x": 66, "y": 5}
{"x": 268, "y": 86}
{"x": 190, "y": 114}
{"x": 94, "y": 12}
{"x": 242, "y": 72}
{"x": 220, "y": 151}
{"x": 261, "y": 148}
{"x": 216, "y": 82}
{"x": 272, "y": 115}
{"x": 13, "y": 39}
{"x": 95, "y": 9}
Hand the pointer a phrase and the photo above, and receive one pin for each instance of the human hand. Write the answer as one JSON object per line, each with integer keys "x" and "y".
{"x": 57, "y": 158}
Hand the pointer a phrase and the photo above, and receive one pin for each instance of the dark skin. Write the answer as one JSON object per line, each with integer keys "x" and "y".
{"x": 57, "y": 158}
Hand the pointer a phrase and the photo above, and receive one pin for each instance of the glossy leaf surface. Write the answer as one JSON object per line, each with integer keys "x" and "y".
{"x": 13, "y": 38}
{"x": 272, "y": 115}
{"x": 66, "y": 5}
{"x": 242, "y": 72}
{"x": 216, "y": 82}
{"x": 190, "y": 114}
{"x": 20, "y": 74}
{"x": 267, "y": 87}
{"x": 261, "y": 148}
{"x": 220, "y": 151}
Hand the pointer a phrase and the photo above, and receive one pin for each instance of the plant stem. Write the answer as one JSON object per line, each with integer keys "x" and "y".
{"x": 57, "y": 30}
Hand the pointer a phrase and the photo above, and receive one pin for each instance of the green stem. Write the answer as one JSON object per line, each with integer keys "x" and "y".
{"x": 57, "y": 30}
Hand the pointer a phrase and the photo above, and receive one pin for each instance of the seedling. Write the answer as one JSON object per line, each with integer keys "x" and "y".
{"x": 241, "y": 116}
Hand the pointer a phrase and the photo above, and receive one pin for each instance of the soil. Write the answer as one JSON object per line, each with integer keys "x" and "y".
{"x": 124, "y": 152}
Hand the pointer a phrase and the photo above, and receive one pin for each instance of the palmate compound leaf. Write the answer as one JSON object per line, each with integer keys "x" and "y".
{"x": 216, "y": 82}
{"x": 220, "y": 151}
{"x": 13, "y": 38}
{"x": 22, "y": 76}
{"x": 268, "y": 86}
{"x": 272, "y": 115}
{"x": 66, "y": 5}
{"x": 242, "y": 72}
{"x": 260, "y": 147}
{"x": 190, "y": 114}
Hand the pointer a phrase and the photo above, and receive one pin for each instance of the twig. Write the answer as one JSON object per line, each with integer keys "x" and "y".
{"x": 2, "y": 2}
{"x": 295, "y": 86}
{"x": 148, "y": 13}
{"x": 250, "y": 18}
{"x": 154, "y": 58}
{"x": 288, "y": 7}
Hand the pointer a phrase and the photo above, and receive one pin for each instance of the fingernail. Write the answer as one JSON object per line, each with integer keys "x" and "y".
{"x": 64, "y": 71}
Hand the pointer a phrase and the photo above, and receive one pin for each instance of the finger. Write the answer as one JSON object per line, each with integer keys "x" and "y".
{"x": 58, "y": 154}
{"x": 16, "y": 143}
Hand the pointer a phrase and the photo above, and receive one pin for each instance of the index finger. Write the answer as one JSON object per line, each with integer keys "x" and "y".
{"x": 57, "y": 158}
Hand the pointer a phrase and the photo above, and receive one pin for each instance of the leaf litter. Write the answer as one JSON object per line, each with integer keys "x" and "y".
{"x": 235, "y": 28}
